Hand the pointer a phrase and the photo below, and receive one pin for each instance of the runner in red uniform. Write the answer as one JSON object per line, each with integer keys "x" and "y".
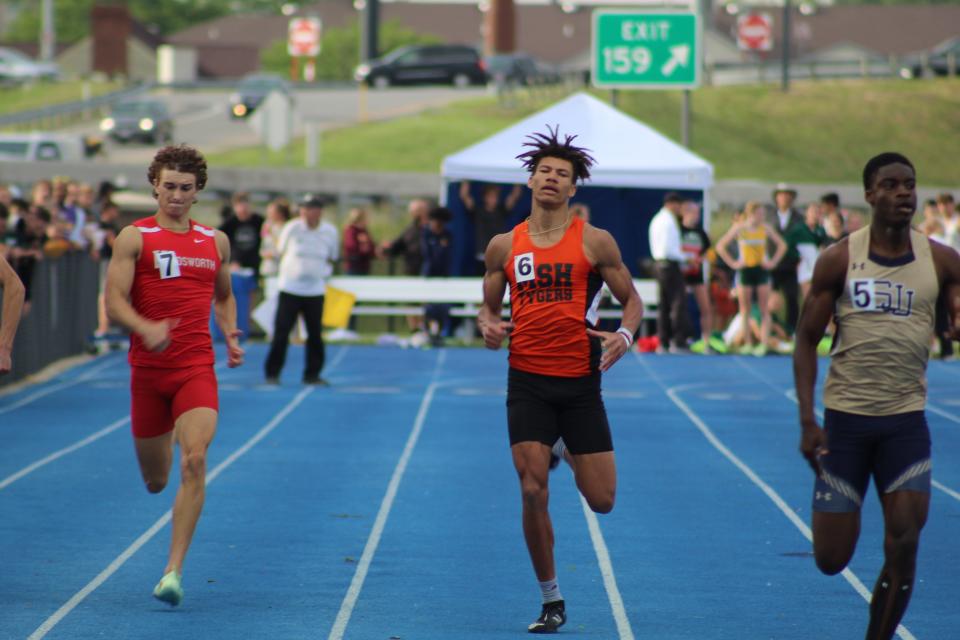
{"x": 164, "y": 273}
{"x": 556, "y": 265}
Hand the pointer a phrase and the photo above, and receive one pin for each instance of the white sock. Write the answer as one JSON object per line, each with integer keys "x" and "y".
{"x": 551, "y": 591}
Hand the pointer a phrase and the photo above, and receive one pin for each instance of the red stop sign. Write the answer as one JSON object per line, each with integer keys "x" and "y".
{"x": 755, "y": 32}
{"x": 303, "y": 37}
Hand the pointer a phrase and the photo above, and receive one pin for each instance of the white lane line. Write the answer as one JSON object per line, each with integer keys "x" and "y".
{"x": 360, "y": 575}
{"x": 93, "y": 437}
{"x": 42, "y": 393}
{"x": 606, "y": 570}
{"x": 792, "y": 394}
{"x": 943, "y": 414}
{"x": 672, "y": 393}
{"x": 118, "y": 562}
{"x": 145, "y": 537}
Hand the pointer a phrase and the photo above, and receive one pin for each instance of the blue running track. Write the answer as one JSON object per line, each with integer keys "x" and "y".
{"x": 386, "y": 507}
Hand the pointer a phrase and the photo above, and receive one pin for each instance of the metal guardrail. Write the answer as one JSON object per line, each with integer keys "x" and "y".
{"x": 62, "y": 316}
{"x": 65, "y": 110}
{"x": 57, "y": 114}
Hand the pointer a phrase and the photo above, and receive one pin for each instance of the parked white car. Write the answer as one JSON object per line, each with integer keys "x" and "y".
{"x": 51, "y": 147}
{"x": 17, "y": 67}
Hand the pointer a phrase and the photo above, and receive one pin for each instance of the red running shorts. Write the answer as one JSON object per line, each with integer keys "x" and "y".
{"x": 160, "y": 396}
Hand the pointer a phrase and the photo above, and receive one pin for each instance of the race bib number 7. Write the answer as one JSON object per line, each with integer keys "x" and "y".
{"x": 167, "y": 263}
{"x": 523, "y": 267}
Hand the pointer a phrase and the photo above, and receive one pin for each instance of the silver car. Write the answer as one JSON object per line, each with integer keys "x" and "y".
{"x": 17, "y": 67}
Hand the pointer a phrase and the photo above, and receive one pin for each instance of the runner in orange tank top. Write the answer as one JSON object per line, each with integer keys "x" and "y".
{"x": 556, "y": 264}
{"x": 163, "y": 275}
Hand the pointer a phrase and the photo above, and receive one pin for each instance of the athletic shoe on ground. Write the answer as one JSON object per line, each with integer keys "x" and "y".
{"x": 168, "y": 589}
{"x": 717, "y": 344}
{"x": 700, "y": 347}
{"x": 552, "y": 617}
{"x": 316, "y": 382}
{"x": 556, "y": 453}
{"x": 271, "y": 380}
{"x": 760, "y": 350}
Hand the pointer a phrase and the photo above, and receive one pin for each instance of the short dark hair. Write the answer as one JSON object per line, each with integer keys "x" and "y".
{"x": 548, "y": 145}
{"x": 830, "y": 198}
{"x": 182, "y": 158}
{"x": 440, "y": 213}
{"x": 945, "y": 198}
{"x": 877, "y": 162}
{"x": 43, "y": 213}
{"x": 312, "y": 202}
{"x": 672, "y": 196}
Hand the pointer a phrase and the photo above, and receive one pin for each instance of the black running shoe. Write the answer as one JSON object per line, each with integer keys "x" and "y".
{"x": 552, "y": 617}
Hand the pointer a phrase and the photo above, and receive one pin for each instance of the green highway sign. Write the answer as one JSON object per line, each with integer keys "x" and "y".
{"x": 645, "y": 49}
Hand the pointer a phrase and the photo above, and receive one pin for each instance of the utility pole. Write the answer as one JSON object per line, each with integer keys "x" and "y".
{"x": 370, "y": 33}
{"x": 785, "y": 46}
{"x": 48, "y": 34}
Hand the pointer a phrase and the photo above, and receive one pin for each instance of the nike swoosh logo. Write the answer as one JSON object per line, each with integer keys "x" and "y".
{"x": 199, "y": 241}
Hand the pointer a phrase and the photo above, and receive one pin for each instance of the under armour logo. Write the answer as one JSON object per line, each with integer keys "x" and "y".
{"x": 858, "y": 265}
{"x": 826, "y": 497}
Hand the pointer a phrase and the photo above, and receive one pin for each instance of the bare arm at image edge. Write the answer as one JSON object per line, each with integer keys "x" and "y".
{"x": 13, "y": 292}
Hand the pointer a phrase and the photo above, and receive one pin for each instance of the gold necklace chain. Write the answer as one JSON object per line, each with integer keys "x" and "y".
{"x": 540, "y": 233}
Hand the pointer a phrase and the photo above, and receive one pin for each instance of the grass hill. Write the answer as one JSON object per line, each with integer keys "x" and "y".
{"x": 821, "y": 131}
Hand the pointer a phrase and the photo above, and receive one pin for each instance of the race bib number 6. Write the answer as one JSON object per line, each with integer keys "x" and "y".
{"x": 523, "y": 267}
{"x": 166, "y": 262}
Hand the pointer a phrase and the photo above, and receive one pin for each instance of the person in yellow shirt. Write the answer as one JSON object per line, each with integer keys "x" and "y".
{"x": 753, "y": 268}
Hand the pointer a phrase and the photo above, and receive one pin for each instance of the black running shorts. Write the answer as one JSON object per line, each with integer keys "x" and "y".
{"x": 543, "y": 408}
{"x": 894, "y": 449}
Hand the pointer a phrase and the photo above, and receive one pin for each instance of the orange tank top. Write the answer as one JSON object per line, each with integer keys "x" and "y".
{"x": 554, "y": 296}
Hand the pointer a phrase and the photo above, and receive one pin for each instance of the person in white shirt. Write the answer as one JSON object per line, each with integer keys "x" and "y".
{"x": 949, "y": 219}
{"x": 666, "y": 251}
{"x": 308, "y": 249}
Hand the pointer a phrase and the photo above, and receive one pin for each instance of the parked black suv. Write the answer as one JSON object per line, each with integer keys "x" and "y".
{"x": 458, "y": 65}
{"x": 938, "y": 61}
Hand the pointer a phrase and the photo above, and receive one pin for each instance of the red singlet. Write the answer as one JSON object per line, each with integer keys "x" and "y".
{"x": 554, "y": 295}
{"x": 175, "y": 278}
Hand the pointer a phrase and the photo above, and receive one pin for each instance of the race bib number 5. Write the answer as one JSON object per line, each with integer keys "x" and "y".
{"x": 166, "y": 262}
{"x": 863, "y": 294}
{"x": 523, "y": 267}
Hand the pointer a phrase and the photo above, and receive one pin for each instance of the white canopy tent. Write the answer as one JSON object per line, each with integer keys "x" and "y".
{"x": 635, "y": 166}
{"x": 628, "y": 152}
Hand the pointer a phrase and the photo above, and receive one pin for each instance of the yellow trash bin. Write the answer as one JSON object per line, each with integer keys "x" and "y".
{"x": 337, "y": 307}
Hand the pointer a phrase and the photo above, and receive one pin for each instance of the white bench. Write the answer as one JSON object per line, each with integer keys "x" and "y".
{"x": 405, "y": 295}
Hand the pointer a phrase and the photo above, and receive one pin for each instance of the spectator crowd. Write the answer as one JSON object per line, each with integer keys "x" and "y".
{"x": 739, "y": 292}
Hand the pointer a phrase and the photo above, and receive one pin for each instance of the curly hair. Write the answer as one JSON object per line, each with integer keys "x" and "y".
{"x": 548, "y": 145}
{"x": 182, "y": 158}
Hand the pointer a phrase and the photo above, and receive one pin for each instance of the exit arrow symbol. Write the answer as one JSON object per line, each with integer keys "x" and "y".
{"x": 679, "y": 57}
